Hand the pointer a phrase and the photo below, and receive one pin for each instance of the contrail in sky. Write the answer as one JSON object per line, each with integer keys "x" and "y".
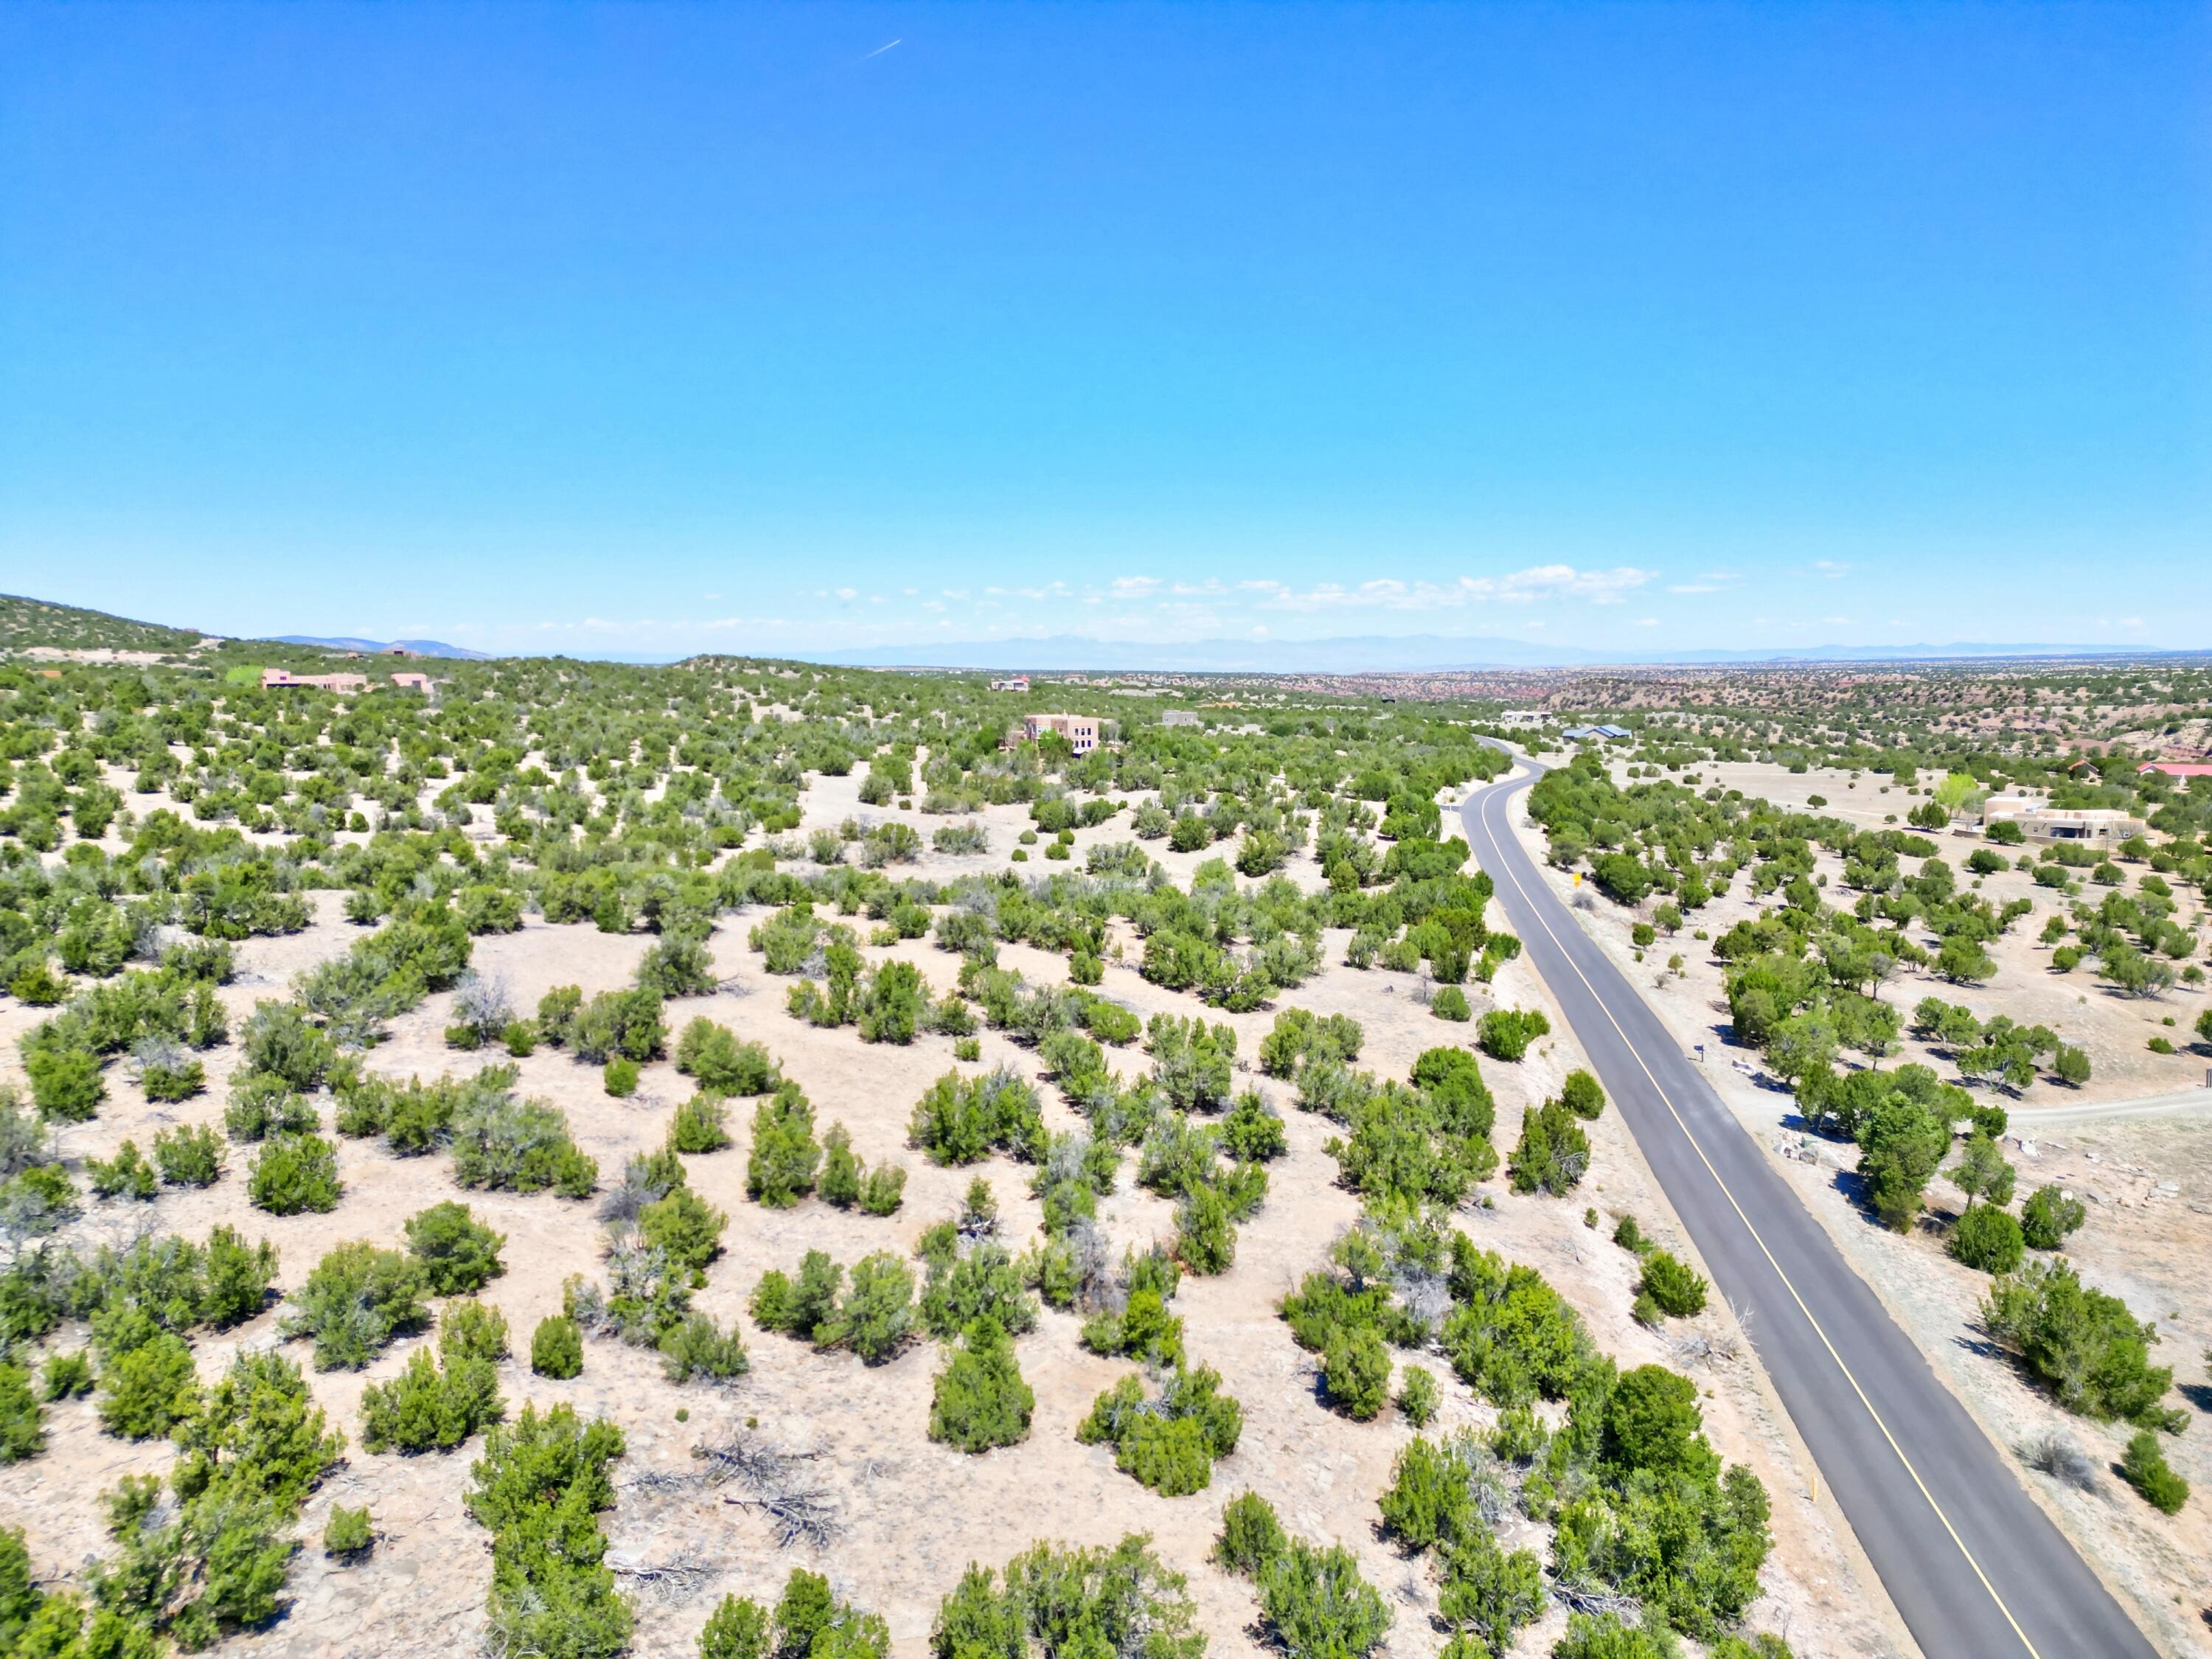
{"x": 881, "y": 50}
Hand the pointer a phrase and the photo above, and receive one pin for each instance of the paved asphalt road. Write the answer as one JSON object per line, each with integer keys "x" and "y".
{"x": 1976, "y": 1569}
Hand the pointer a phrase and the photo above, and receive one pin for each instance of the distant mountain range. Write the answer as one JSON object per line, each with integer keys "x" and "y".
{"x": 420, "y": 648}
{"x": 1390, "y": 653}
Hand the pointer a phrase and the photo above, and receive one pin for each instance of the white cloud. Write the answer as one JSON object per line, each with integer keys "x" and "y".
{"x": 1829, "y": 568}
{"x": 1708, "y": 581}
{"x": 1647, "y": 622}
{"x": 1133, "y": 587}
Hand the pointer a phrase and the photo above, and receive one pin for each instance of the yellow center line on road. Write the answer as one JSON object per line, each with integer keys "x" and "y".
{"x": 1495, "y": 830}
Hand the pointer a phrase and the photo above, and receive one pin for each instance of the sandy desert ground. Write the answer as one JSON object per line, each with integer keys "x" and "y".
{"x": 914, "y": 1514}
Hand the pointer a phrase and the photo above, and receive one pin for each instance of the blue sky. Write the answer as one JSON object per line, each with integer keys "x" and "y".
{"x": 641, "y": 329}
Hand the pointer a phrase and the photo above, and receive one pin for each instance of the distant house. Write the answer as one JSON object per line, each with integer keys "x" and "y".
{"x": 2100, "y": 826}
{"x": 339, "y": 684}
{"x": 1522, "y": 717}
{"x": 1180, "y": 717}
{"x": 1018, "y": 683}
{"x": 1081, "y": 730}
{"x": 412, "y": 682}
{"x": 398, "y": 651}
{"x": 2176, "y": 769}
{"x": 1596, "y": 733}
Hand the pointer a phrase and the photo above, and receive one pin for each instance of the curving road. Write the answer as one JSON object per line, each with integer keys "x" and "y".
{"x": 1972, "y": 1563}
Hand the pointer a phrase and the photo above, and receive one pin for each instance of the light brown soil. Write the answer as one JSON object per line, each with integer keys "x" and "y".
{"x": 916, "y": 1514}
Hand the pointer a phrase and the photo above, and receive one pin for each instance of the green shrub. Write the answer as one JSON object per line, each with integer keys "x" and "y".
{"x": 1315, "y": 1605}
{"x": 65, "y": 1084}
{"x": 876, "y": 1318}
{"x": 1206, "y": 1240}
{"x": 1552, "y": 1154}
{"x": 237, "y": 1278}
{"x": 1606, "y": 1637}
{"x": 292, "y": 1175}
{"x": 1506, "y": 1033}
{"x": 685, "y": 1227}
{"x": 431, "y": 1406}
{"x": 536, "y": 1487}
{"x": 721, "y": 1065}
{"x": 259, "y": 1428}
{"x": 846, "y": 1181}
{"x": 884, "y": 1189}
{"x": 627, "y": 1023}
{"x": 67, "y": 1376}
{"x": 984, "y": 1283}
{"x": 22, "y": 1430}
{"x": 147, "y": 1389}
{"x": 1417, "y": 1395}
{"x": 1060, "y": 1600}
{"x": 695, "y": 1347}
{"x": 1253, "y": 1131}
{"x": 677, "y": 964}
{"x": 1170, "y": 1443}
{"x": 736, "y": 1629}
{"x": 1989, "y": 1238}
{"x": 473, "y": 1330}
{"x": 1356, "y": 1370}
{"x": 1168, "y": 1454}
{"x": 1652, "y": 1423}
{"x": 556, "y": 1014}
{"x": 279, "y": 1039}
{"x": 2085, "y": 1346}
{"x": 1675, "y": 1286}
{"x": 357, "y": 1299}
{"x": 1430, "y": 1504}
{"x": 2048, "y": 1217}
{"x": 700, "y": 1125}
{"x": 621, "y": 1077}
{"x": 961, "y": 1120}
{"x": 800, "y": 1308}
{"x": 127, "y": 1174}
{"x": 781, "y": 1169}
{"x": 1489, "y": 1594}
{"x": 1251, "y": 1535}
{"x": 2146, "y": 1469}
{"x": 190, "y": 1157}
{"x": 979, "y": 1401}
{"x": 1583, "y": 1094}
{"x": 522, "y": 1146}
{"x": 263, "y": 1104}
{"x": 168, "y": 1082}
{"x": 459, "y": 1255}
{"x": 348, "y": 1535}
{"x": 557, "y": 1348}
{"x": 1450, "y": 1002}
